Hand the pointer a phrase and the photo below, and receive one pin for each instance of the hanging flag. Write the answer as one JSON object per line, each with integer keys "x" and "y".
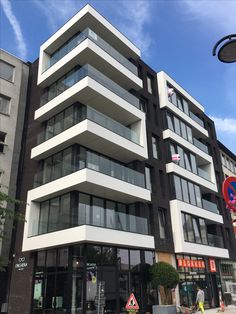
{"x": 175, "y": 157}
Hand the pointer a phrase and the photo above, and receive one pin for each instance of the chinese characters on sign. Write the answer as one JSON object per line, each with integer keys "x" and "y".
{"x": 190, "y": 263}
{"x": 212, "y": 265}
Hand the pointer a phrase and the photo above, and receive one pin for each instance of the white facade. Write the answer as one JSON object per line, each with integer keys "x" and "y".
{"x": 186, "y": 133}
{"x": 101, "y": 84}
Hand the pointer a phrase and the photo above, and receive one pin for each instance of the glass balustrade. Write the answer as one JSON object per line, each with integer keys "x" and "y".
{"x": 212, "y": 207}
{"x": 80, "y": 113}
{"x": 215, "y": 240}
{"x": 200, "y": 145}
{"x": 78, "y": 38}
{"x": 62, "y": 164}
{"x": 196, "y": 119}
{"x": 114, "y": 220}
{"x": 202, "y": 173}
{"x": 78, "y": 74}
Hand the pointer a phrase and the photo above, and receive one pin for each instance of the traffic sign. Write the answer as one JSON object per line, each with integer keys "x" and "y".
{"x": 132, "y": 303}
{"x": 229, "y": 191}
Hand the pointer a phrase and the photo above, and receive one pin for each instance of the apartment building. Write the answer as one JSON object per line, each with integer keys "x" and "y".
{"x": 104, "y": 198}
{"x": 197, "y": 209}
{"x": 87, "y": 215}
{"x": 13, "y": 91}
{"x": 228, "y": 267}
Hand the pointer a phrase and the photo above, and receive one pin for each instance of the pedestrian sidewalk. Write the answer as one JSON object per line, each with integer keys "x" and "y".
{"x": 230, "y": 309}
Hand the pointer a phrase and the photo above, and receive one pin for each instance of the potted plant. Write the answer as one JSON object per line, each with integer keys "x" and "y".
{"x": 164, "y": 278}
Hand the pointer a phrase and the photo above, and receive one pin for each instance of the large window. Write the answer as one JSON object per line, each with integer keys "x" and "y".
{"x": 187, "y": 159}
{"x": 4, "y": 104}
{"x": 194, "y": 229}
{"x": 6, "y": 71}
{"x": 179, "y": 127}
{"x": 76, "y": 157}
{"x": 187, "y": 191}
{"x": 66, "y": 278}
{"x": 76, "y": 209}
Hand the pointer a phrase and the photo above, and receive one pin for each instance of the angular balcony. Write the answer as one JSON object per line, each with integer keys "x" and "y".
{"x": 88, "y": 48}
{"x": 76, "y": 215}
{"x": 80, "y": 113}
{"x": 78, "y": 38}
{"x": 78, "y": 74}
{"x": 86, "y": 126}
{"x": 212, "y": 207}
{"x": 85, "y": 159}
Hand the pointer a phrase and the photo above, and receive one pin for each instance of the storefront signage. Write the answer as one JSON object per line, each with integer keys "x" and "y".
{"x": 22, "y": 264}
{"x": 229, "y": 192}
{"x": 212, "y": 265}
{"x": 190, "y": 263}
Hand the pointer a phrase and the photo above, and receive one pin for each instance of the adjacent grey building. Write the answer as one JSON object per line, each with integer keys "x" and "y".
{"x": 13, "y": 92}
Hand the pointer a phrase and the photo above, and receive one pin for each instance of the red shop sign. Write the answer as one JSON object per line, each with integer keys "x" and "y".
{"x": 190, "y": 263}
{"x": 212, "y": 265}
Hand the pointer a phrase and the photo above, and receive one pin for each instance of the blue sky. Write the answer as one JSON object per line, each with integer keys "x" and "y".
{"x": 176, "y": 36}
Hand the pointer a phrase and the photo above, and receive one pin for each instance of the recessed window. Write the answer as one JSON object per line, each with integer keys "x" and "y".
{"x": 162, "y": 222}
{"x": 155, "y": 147}
{"x": 148, "y": 178}
{"x": 6, "y": 71}
{"x": 150, "y": 84}
{"x": 2, "y": 141}
{"x": 4, "y": 104}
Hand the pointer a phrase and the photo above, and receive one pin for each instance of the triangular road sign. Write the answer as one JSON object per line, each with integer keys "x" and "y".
{"x": 132, "y": 303}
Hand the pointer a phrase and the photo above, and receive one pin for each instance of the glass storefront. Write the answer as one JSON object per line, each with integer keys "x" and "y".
{"x": 194, "y": 272}
{"x": 77, "y": 279}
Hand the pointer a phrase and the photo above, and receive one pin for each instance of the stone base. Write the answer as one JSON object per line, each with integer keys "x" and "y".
{"x": 164, "y": 309}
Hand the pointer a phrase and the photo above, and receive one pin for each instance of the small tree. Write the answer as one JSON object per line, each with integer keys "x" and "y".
{"x": 164, "y": 277}
{"x": 7, "y": 213}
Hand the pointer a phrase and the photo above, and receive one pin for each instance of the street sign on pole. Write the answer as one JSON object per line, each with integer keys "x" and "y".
{"x": 100, "y": 300}
{"x": 132, "y": 304}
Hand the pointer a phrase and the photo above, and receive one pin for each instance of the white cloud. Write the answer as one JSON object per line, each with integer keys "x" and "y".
{"x": 218, "y": 15}
{"x": 217, "y": 19}
{"x": 130, "y": 16}
{"x": 133, "y": 19}
{"x": 58, "y": 12}
{"x": 7, "y": 8}
{"x": 226, "y": 131}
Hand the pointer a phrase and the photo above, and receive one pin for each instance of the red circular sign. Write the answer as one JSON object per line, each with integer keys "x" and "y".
{"x": 229, "y": 191}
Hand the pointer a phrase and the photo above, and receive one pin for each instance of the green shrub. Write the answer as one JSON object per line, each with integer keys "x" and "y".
{"x": 164, "y": 277}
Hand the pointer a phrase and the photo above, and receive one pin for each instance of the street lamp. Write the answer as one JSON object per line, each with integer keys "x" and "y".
{"x": 227, "y": 52}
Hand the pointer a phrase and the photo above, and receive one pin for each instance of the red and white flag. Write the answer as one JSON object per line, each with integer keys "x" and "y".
{"x": 175, "y": 157}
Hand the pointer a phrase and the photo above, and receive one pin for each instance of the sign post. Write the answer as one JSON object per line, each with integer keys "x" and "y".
{"x": 132, "y": 304}
{"x": 100, "y": 301}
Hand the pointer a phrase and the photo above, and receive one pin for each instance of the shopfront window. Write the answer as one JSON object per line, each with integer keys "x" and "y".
{"x": 62, "y": 275}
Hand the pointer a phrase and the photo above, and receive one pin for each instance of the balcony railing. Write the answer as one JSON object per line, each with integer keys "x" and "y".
{"x": 85, "y": 112}
{"x": 108, "y": 219}
{"x": 90, "y": 160}
{"x": 196, "y": 119}
{"x": 215, "y": 240}
{"x": 77, "y": 75}
{"x": 202, "y": 173}
{"x": 78, "y": 38}
{"x": 200, "y": 145}
{"x": 212, "y": 207}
